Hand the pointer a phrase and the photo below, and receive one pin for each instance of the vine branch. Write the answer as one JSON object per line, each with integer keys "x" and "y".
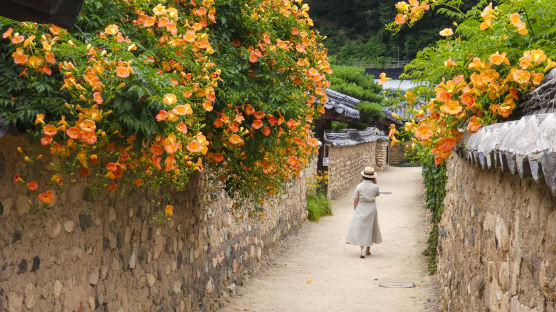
{"x": 528, "y": 22}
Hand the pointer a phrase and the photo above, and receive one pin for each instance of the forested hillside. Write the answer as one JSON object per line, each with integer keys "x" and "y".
{"x": 356, "y": 34}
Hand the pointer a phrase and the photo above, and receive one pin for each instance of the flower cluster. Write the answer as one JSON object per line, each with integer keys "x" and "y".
{"x": 475, "y": 88}
{"x": 153, "y": 98}
{"x": 412, "y": 11}
{"x": 317, "y": 183}
{"x": 475, "y": 98}
{"x": 258, "y": 144}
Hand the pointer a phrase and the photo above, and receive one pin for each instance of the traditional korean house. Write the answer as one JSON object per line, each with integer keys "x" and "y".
{"x": 340, "y": 107}
{"x": 342, "y": 154}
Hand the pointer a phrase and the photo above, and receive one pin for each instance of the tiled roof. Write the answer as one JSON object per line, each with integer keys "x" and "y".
{"x": 345, "y": 105}
{"x": 388, "y": 116}
{"x": 350, "y": 137}
{"x": 342, "y": 104}
{"x": 526, "y": 146}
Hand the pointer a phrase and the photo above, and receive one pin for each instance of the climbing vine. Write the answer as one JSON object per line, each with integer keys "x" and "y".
{"x": 434, "y": 179}
{"x": 493, "y": 55}
{"x": 144, "y": 93}
{"x": 475, "y": 76}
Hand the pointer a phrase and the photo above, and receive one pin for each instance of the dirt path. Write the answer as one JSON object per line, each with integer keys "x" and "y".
{"x": 317, "y": 271}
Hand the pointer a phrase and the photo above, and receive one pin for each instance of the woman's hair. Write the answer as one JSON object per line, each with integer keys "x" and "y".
{"x": 369, "y": 179}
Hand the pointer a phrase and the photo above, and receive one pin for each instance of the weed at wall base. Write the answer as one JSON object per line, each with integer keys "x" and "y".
{"x": 318, "y": 205}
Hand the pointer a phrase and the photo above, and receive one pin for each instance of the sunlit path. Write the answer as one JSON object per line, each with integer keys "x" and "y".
{"x": 317, "y": 271}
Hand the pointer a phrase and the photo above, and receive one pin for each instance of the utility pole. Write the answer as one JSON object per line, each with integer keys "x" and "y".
{"x": 398, "y": 56}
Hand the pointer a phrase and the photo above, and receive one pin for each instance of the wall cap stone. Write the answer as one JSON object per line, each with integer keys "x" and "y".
{"x": 526, "y": 146}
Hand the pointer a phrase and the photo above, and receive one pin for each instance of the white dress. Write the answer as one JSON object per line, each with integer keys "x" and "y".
{"x": 364, "y": 229}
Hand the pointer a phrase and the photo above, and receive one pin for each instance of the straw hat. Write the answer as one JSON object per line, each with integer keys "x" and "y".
{"x": 369, "y": 172}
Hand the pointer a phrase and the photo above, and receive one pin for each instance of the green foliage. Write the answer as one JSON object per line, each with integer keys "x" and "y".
{"x": 356, "y": 34}
{"x": 352, "y": 81}
{"x": 22, "y": 99}
{"x": 159, "y": 89}
{"x": 318, "y": 205}
{"x": 431, "y": 250}
{"x": 428, "y": 67}
{"x": 482, "y": 33}
{"x": 373, "y": 50}
{"x": 434, "y": 177}
{"x": 382, "y": 49}
{"x": 370, "y": 112}
{"x": 263, "y": 85}
{"x": 338, "y": 125}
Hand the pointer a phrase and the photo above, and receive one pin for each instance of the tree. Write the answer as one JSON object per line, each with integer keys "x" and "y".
{"x": 356, "y": 35}
{"x": 352, "y": 81}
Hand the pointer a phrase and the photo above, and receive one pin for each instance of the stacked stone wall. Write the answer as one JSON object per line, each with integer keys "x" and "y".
{"x": 396, "y": 154}
{"x": 110, "y": 255}
{"x": 345, "y": 164}
{"x": 381, "y": 157}
{"x": 497, "y": 244}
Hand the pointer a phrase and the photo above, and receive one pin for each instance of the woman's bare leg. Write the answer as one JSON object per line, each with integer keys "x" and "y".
{"x": 362, "y": 252}
{"x": 368, "y": 252}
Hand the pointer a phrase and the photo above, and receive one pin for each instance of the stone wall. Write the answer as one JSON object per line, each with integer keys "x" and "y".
{"x": 381, "y": 157}
{"x": 497, "y": 245}
{"x": 110, "y": 255}
{"x": 345, "y": 164}
{"x": 396, "y": 154}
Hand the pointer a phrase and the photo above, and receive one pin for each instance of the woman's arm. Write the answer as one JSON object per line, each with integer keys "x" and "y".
{"x": 356, "y": 197}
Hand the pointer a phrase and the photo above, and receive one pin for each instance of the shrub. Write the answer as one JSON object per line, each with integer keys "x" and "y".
{"x": 338, "y": 125}
{"x": 370, "y": 112}
{"x": 318, "y": 205}
{"x": 434, "y": 178}
{"x": 353, "y": 82}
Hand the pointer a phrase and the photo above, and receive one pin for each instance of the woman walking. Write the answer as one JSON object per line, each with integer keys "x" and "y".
{"x": 364, "y": 229}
